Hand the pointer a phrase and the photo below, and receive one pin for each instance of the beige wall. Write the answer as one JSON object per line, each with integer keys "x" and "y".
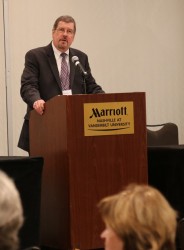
{"x": 3, "y": 112}
{"x": 133, "y": 45}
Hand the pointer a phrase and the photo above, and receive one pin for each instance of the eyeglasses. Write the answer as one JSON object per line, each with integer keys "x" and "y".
{"x": 62, "y": 31}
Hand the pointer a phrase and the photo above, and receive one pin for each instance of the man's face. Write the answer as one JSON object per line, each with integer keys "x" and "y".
{"x": 63, "y": 36}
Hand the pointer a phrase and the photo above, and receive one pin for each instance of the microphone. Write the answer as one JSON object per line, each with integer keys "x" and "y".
{"x": 77, "y": 63}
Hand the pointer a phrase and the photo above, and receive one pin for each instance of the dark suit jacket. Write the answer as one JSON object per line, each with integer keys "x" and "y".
{"x": 40, "y": 80}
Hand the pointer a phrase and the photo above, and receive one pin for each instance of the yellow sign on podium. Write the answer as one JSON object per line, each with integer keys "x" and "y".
{"x": 108, "y": 118}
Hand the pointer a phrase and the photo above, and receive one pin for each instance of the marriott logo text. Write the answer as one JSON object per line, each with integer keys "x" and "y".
{"x": 108, "y": 112}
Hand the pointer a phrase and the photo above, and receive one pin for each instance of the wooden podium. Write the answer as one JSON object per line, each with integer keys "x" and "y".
{"x": 79, "y": 170}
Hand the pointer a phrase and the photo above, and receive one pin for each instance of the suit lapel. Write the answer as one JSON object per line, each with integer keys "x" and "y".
{"x": 53, "y": 65}
{"x": 72, "y": 68}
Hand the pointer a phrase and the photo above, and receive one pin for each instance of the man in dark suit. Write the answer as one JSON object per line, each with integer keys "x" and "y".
{"x": 41, "y": 79}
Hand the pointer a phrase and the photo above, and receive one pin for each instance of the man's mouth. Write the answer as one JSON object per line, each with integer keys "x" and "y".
{"x": 63, "y": 40}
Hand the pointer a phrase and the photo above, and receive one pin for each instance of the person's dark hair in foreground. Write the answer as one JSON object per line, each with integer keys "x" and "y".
{"x": 11, "y": 214}
{"x": 138, "y": 218}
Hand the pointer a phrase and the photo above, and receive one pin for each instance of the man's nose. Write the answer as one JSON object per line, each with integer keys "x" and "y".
{"x": 65, "y": 33}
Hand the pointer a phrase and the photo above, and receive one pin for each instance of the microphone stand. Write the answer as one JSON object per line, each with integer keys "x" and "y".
{"x": 84, "y": 76}
{"x": 84, "y": 83}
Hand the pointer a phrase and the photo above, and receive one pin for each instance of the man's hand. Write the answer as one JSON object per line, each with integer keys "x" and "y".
{"x": 39, "y": 106}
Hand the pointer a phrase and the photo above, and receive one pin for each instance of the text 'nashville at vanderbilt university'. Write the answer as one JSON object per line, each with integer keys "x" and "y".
{"x": 108, "y": 112}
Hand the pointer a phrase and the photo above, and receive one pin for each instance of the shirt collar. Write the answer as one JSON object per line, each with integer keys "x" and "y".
{"x": 57, "y": 52}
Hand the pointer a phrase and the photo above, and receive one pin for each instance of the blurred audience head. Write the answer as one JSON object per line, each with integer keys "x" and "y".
{"x": 11, "y": 213}
{"x": 138, "y": 218}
